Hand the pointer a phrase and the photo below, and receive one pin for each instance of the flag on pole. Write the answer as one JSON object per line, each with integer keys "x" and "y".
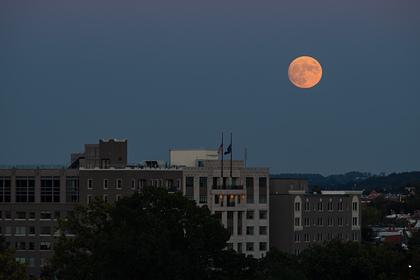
{"x": 229, "y": 150}
{"x": 220, "y": 150}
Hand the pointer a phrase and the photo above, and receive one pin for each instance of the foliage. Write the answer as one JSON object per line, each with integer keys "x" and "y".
{"x": 9, "y": 268}
{"x": 152, "y": 235}
{"x": 280, "y": 266}
{"x": 351, "y": 260}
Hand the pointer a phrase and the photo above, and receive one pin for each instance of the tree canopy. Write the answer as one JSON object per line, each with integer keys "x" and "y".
{"x": 9, "y": 268}
{"x": 151, "y": 235}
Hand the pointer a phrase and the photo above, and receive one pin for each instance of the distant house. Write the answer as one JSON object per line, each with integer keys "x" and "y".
{"x": 373, "y": 195}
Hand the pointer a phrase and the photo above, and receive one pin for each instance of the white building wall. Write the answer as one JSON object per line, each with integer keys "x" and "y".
{"x": 240, "y": 205}
{"x": 189, "y": 158}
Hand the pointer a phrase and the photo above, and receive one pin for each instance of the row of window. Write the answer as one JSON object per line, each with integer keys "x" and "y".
{"x": 105, "y": 198}
{"x": 49, "y": 189}
{"x": 22, "y": 215}
{"x": 319, "y": 221}
{"x": 249, "y": 246}
{"x": 319, "y": 236}
{"x": 250, "y": 230}
{"x": 30, "y": 246}
{"x": 26, "y": 230}
{"x": 170, "y": 184}
{"x": 320, "y": 206}
{"x": 249, "y": 184}
{"x": 30, "y": 261}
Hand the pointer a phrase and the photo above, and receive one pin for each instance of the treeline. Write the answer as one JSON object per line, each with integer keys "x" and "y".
{"x": 394, "y": 182}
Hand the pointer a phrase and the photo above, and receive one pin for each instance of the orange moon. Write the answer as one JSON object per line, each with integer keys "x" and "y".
{"x": 305, "y": 72}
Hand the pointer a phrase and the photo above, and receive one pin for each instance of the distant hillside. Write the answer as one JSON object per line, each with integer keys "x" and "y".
{"x": 358, "y": 180}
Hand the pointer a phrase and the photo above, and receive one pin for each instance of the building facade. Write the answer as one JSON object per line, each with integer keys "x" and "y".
{"x": 237, "y": 195}
{"x": 299, "y": 218}
{"x": 32, "y": 200}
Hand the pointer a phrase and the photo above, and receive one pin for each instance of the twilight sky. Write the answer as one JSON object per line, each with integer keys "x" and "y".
{"x": 175, "y": 74}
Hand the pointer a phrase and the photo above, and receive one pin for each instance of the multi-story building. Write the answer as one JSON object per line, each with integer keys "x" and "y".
{"x": 299, "y": 218}
{"x": 236, "y": 194}
{"x": 33, "y": 199}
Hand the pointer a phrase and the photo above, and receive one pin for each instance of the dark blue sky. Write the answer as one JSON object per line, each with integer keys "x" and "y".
{"x": 168, "y": 74}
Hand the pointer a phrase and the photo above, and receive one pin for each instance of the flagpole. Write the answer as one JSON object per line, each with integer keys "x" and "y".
{"x": 221, "y": 170}
{"x": 231, "y": 155}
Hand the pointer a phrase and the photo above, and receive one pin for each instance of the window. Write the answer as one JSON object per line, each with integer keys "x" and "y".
{"x": 20, "y": 215}
{"x": 306, "y": 222}
{"x": 330, "y": 205}
{"x": 355, "y": 222}
{"x": 250, "y": 246}
{"x": 297, "y": 206}
{"x": 50, "y": 189}
{"x": 20, "y": 231}
{"x": 263, "y": 230}
{"x": 249, "y": 181}
{"x": 263, "y": 214}
{"x": 319, "y": 236}
{"x": 297, "y": 221}
{"x": 355, "y": 236}
{"x": 133, "y": 184}
{"x": 89, "y": 199}
{"x": 320, "y": 205}
{"x": 203, "y": 190}
{"x": 263, "y": 246}
{"x": 231, "y": 200}
{"x": 250, "y": 214}
{"x": 117, "y": 197}
{"x": 340, "y": 221}
{"x": 20, "y": 245}
{"x": 189, "y": 188}
{"x": 142, "y": 184}
{"x": 354, "y": 206}
{"x": 307, "y": 205}
{"x": 239, "y": 246}
{"x": 25, "y": 189}
{"x": 230, "y": 222}
{"x": 20, "y": 260}
{"x": 340, "y": 205}
{"x": 31, "y": 230}
{"x": 105, "y": 198}
{"x": 46, "y": 215}
{"x": 72, "y": 189}
{"x": 57, "y": 215}
{"x": 31, "y": 246}
{"x": 7, "y": 215}
{"x": 319, "y": 221}
{"x": 5, "y": 189}
{"x": 8, "y": 230}
{"x": 105, "y": 186}
{"x": 44, "y": 246}
{"x": 330, "y": 221}
{"x": 250, "y": 230}
{"x": 90, "y": 184}
{"x": 239, "y": 228}
{"x": 306, "y": 237}
{"x": 297, "y": 237}
{"x": 45, "y": 230}
{"x": 119, "y": 184}
{"x": 31, "y": 215}
{"x": 262, "y": 184}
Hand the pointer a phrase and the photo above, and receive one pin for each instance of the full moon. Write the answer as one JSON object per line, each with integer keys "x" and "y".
{"x": 305, "y": 72}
